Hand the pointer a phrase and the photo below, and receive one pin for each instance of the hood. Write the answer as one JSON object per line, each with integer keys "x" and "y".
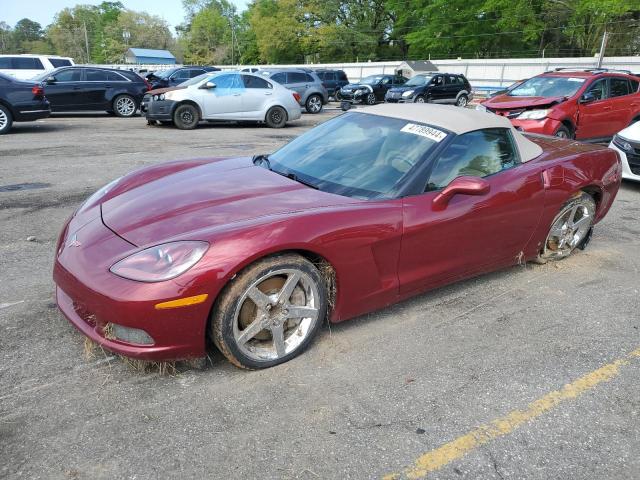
{"x": 506, "y": 102}
{"x": 405, "y": 88}
{"x": 204, "y": 196}
{"x": 158, "y": 91}
{"x": 632, "y": 132}
{"x": 356, "y": 86}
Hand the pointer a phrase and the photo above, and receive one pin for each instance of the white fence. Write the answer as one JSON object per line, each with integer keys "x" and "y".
{"x": 481, "y": 73}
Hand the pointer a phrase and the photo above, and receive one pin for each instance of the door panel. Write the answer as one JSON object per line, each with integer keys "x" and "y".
{"x": 437, "y": 90}
{"x": 224, "y": 101}
{"x": 621, "y": 109}
{"x": 593, "y": 117}
{"x": 256, "y": 94}
{"x": 65, "y": 93}
{"x": 473, "y": 234}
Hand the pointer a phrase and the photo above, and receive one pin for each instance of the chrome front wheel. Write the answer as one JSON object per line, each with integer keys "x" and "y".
{"x": 570, "y": 228}
{"x": 270, "y": 312}
{"x": 5, "y": 120}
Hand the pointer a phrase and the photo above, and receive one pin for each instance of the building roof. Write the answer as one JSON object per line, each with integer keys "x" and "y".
{"x": 421, "y": 65}
{"x": 149, "y": 52}
{"x": 455, "y": 119}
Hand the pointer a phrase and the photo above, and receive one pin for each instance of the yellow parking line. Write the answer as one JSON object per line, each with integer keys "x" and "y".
{"x": 438, "y": 458}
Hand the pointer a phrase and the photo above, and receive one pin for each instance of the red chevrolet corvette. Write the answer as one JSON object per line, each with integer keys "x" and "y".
{"x": 360, "y": 212}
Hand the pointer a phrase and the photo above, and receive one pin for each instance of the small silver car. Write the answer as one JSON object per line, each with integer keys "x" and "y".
{"x": 227, "y": 95}
{"x": 313, "y": 94}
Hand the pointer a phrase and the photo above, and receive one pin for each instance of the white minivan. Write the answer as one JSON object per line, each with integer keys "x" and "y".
{"x": 25, "y": 67}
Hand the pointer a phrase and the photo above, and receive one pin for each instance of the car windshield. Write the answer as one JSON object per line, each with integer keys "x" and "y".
{"x": 548, "y": 86}
{"x": 164, "y": 73}
{"x": 418, "y": 81}
{"x": 196, "y": 80}
{"x": 371, "y": 80}
{"x": 357, "y": 154}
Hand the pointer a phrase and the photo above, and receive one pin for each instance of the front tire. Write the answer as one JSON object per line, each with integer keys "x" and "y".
{"x": 276, "y": 117}
{"x": 313, "y": 104}
{"x": 186, "y": 117}
{"x": 370, "y": 99}
{"x": 124, "y": 106}
{"x": 270, "y": 312}
{"x": 564, "y": 132}
{"x": 6, "y": 120}
{"x": 420, "y": 99}
{"x": 570, "y": 228}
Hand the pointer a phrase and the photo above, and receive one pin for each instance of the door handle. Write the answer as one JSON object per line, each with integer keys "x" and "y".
{"x": 108, "y": 85}
{"x": 236, "y": 94}
{"x": 268, "y": 93}
{"x": 606, "y": 108}
{"x": 76, "y": 88}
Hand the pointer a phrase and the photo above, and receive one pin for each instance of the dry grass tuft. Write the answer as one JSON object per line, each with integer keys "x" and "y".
{"x": 145, "y": 366}
{"x": 329, "y": 275}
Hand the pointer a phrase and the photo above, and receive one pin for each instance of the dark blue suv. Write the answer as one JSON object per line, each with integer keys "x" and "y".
{"x": 175, "y": 76}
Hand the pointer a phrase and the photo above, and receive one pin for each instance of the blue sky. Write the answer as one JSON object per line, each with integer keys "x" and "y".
{"x": 43, "y": 11}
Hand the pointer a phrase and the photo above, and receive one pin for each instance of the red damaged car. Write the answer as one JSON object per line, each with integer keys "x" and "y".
{"x": 582, "y": 104}
{"x": 360, "y": 212}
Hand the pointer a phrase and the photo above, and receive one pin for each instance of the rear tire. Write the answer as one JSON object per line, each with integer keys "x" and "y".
{"x": 124, "y": 106}
{"x": 570, "y": 229}
{"x": 313, "y": 104}
{"x": 462, "y": 101}
{"x": 6, "y": 120}
{"x": 186, "y": 117}
{"x": 257, "y": 321}
{"x": 336, "y": 96}
{"x": 276, "y": 117}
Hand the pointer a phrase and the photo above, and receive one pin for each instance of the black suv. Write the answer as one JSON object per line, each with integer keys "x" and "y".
{"x": 370, "y": 89}
{"x": 333, "y": 80}
{"x": 433, "y": 87}
{"x": 175, "y": 76}
{"x": 20, "y": 102}
{"x": 72, "y": 89}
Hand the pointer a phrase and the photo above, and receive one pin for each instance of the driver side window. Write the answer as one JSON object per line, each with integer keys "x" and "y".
{"x": 599, "y": 89}
{"x": 478, "y": 154}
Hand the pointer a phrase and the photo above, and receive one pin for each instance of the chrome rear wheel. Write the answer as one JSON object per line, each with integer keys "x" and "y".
{"x": 570, "y": 228}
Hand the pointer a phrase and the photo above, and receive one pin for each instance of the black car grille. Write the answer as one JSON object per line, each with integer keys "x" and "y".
{"x": 507, "y": 113}
{"x": 633, "y": 156}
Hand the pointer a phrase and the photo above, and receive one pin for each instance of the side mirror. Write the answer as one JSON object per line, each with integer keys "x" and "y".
{"x": 50, "y": 80}
{"x": 588, "y": 97}
{"x": 208, "y": 86}
{"x": 461, "y": 186}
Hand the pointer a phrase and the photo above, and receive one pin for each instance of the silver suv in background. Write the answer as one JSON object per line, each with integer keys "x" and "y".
{"x": 313, "y": 94}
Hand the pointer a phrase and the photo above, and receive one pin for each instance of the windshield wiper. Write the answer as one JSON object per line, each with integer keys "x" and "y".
{"x": 295, "y": 178}
{"x": 262, "y": 161}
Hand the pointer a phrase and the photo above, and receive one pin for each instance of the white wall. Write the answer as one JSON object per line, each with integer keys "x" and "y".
{"x": 480, "y": 72}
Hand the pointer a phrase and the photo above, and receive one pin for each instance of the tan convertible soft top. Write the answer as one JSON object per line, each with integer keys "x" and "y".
{"x": 455, "y": 119}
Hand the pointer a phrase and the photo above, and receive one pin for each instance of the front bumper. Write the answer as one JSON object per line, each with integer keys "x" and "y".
{"x": 352, "y": 97}
{"x": 158, "y": 109}
{"x": 546, "y": 126}
{"x": 630, "y": 164}
{"x": 92, "y": 298}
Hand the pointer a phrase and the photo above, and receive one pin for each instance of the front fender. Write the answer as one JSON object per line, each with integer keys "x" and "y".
{"x": 360, "y": 241}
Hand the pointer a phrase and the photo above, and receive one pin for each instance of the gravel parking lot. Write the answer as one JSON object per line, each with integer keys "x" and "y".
{"x": 410, "y": 390}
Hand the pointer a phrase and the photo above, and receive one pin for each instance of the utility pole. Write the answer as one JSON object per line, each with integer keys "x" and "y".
{"x": 86, "y": 41}
{"x": 603, "y": 46}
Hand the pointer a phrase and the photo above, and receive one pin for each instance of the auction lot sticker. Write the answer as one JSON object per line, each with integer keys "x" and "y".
{"x": 427, "y": 132}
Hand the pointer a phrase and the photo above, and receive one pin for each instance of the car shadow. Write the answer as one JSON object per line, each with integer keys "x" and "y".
{"x": 32, "y": 127}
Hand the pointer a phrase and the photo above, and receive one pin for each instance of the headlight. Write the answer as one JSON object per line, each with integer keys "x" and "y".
{"x": 360, "y": 91}
{"x": 408, "y": 93}
{"x": 162, "y": 262}
{"x": 533, "y": 114}
{"x": 622, "y": 143}
{"x": 481, "y": 108}
{"x": 100, "y": 193}
{"x": 159, "y": 97}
